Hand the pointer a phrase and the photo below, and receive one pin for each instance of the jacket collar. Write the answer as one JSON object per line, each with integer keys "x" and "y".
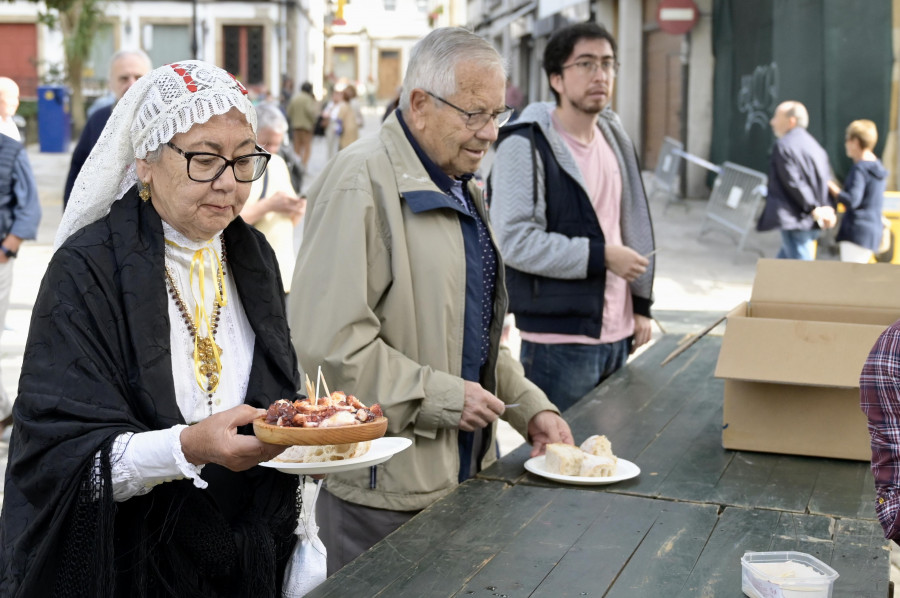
{"x": 440, "y": 193}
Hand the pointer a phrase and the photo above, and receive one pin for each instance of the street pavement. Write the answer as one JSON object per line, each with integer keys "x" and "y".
{"x": 698, "y": 278}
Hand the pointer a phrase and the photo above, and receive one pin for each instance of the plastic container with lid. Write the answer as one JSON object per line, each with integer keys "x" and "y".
{"x": 785, "y": 575}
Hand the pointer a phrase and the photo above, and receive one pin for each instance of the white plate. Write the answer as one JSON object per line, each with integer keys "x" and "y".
{"x": 381, "y": 450}
{"x": 625, "y": 471}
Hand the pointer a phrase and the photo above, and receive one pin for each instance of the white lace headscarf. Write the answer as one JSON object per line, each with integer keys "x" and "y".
{"x": 167, "y": 101}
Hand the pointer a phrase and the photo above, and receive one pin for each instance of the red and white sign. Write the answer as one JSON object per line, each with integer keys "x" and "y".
{"x": 677, "y": 16}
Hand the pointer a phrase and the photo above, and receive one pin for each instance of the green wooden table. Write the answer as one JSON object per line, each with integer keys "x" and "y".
{"x": 677, "y": 530}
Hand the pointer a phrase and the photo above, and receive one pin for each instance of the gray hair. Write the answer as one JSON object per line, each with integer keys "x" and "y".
{"x": 796, "y": 110}
{"x": 434, "y": 58}
{"x": 123, "y": 53}
{"x": 269, "y": 116}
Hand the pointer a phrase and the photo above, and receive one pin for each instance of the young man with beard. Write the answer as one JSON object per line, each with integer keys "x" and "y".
{"x": 573, "y": 223}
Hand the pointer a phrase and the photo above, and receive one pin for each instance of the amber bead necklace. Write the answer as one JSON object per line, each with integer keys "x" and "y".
{"x": 206, "y": 354}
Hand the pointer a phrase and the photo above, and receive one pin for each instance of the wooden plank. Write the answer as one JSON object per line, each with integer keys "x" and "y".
{"x": 862, "y": 556}
{"x": 510, "y": 469}
{"x": 685, "y": 458}
{"x": 769, "y": 481}
{"x": 844, "y": 489}
{"x": 392, "y": 557}
{"x": 666, "y": 556}
{"x": 522, "y": 564}
{"x": 457, "y": 553}
{"x": 636, "y": 537}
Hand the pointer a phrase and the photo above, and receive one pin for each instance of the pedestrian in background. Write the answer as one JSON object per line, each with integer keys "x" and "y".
{"x": 399, "y": 297}
{"x": 573, "y": 223}
{"x": 350, "y": 115}
{"x": 273, "y": 206}
{"x": 20, "y": 215}
{"x": 302, "y": 113}
{"x": 9, "y": 103}
{"x": 797, "y": 201}
{"x": 125, "y": 67}
{"x": 860, "y": 233}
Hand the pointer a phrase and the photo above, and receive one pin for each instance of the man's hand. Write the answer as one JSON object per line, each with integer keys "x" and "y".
{"x": 215, "y": 440}
{"x": 11, "y": 242}
{"x": 625, "y": 262}
{"x": 825, "y": 216}
{"x": 547, "y": 427}
{"x": 643, "y": 331}
{"x": 480, "y": 408}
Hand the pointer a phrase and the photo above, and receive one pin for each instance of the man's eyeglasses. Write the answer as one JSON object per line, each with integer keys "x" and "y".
{"x": 475, "y": 121}
{"x": 590, "y": 67}
{"x": 203, "y": 167}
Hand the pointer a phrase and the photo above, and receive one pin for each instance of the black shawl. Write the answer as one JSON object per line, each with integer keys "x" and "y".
{"x": 98, "y": 364}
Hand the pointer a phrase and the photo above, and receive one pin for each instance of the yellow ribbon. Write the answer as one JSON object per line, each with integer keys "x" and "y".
{"x": 201, "y": 316}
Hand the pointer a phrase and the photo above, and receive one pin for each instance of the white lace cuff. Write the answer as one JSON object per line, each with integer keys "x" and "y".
{"x": 147, "y": 459}
{"x": 188, "y": 470}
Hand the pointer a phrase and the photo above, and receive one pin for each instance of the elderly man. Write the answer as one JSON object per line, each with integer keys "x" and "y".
{"x": 797, "y": 201}
{"x": 9, "y": 103}
{"x": 126, "y": 67}
{"x": 398, "y": 295}
{"x": 20, "y": 215}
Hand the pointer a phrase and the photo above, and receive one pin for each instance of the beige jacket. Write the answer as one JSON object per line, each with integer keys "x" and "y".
{"x": 378, "y": 301}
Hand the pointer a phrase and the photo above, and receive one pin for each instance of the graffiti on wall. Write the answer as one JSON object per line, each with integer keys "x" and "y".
{"x": 758, "y": 95}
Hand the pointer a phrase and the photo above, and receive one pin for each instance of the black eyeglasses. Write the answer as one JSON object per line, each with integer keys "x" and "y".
{"x": 476, "y": 120}
{"x": 203, "y": 167}
{"x": 590, "y": 67}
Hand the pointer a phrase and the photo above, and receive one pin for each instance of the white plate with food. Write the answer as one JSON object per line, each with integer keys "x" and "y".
{"x": 380, "y": 451}
{"x": 625, "y": 471}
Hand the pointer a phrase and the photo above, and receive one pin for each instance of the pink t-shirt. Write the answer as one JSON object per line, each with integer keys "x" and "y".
{"x": 600, "y": 170}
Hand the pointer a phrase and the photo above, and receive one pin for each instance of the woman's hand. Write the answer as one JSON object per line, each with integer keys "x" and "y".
{"x": 285, "y": 203}
{"x": 215, "y": 440}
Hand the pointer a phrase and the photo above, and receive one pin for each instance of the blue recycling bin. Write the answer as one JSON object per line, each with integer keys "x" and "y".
{"x": 54, "y": 118}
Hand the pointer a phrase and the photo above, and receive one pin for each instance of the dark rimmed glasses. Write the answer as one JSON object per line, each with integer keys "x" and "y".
{"x": 476, "y": 120}
{"x": 590, "y": 67}
{"x": 203, "y": 167}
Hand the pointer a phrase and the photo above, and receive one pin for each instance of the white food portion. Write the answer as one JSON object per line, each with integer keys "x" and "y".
{"x": 594, "y": 459}
{"x": 341, "y": 418}
{"x": 320, "y": 454}
{"x": 593, "y": 466}
{"x": 598, "y": 445}
{"x": 563, "y": 459}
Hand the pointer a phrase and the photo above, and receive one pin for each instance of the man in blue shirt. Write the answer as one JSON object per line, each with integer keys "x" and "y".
{"x": 20, "y": 215}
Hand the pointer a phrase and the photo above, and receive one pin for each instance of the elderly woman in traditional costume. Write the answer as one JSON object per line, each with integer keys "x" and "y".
{"x": 158, "y": 335}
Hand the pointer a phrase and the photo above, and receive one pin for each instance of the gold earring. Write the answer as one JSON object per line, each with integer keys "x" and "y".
{"x": 144, "y": 192}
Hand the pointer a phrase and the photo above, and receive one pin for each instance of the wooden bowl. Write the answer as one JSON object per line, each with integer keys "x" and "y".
{"x": 273, "y": 434}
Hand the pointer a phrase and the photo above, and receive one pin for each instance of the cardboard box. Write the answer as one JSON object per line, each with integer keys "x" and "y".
{"x": 792, "y": 356}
